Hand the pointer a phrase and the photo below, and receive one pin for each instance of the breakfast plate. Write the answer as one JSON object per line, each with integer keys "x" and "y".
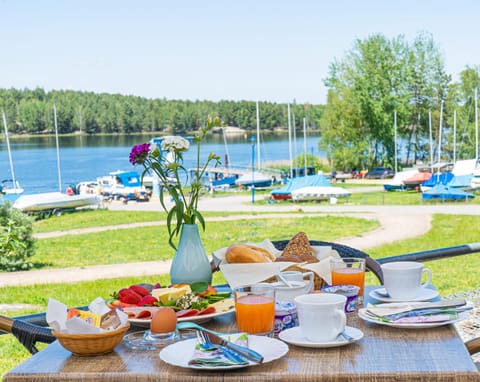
{"x": 382, "y": 295}
{"x": 178, "y": 353}
{"x": 145, "y": 322}
{"x": 294, "y": 336}
{"x": 422, "y": 325}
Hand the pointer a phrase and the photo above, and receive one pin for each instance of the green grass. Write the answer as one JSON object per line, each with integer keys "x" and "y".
{"x": 151, "y": 243}
{"x": 450, "y": 275}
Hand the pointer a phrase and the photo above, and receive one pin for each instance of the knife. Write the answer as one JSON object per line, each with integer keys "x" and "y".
{"x": 250, "y": 354}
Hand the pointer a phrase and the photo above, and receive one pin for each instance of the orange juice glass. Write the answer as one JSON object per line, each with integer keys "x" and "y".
{"x": 350, "y": 271}
{"x": 255, "y": 308}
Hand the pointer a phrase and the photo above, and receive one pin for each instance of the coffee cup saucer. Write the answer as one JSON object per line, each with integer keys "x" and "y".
{"x": 425, "y": 294}
{"x": 294, "y": 336}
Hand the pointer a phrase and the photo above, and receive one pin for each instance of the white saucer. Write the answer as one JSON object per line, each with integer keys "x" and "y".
{"x": 382, "y": 295}
{"x": 294, "y": 336}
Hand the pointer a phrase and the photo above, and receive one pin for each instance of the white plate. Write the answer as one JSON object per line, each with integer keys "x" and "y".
{"x": 178, "y": 354}
{"x": 461, "y": 316}
{"x": 145, "y": 322}
{"x": 294, "y": 336}
{"x": 382, "y": 295}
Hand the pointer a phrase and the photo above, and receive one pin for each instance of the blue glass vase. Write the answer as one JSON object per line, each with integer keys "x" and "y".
{"x": 190, "y": 263}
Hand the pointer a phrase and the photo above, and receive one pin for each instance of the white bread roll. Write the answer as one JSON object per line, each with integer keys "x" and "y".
{"x": 244, "y": 253}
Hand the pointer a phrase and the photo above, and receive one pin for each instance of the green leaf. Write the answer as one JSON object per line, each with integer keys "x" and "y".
{"x": 199, "y": 286}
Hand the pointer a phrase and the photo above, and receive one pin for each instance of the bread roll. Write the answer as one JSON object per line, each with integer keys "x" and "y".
{"x": 244, "y": 253}
{"x": 298, "y": 245}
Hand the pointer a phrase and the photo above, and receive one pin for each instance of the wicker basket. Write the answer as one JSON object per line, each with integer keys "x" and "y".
{"x": 92, "y": 344}
{"x": 318, "y": 282}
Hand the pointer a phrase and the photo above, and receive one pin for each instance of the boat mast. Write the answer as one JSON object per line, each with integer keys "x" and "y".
{"x": 454, "y": 136}
{"x": 9, "y": 152}
{"x": 395, "y": 137}
{"x": 227, "y": 155}
{"x": 305, "y": 143}
{"x": 290, "y": 141}
{"x": 440, "y": 134}
{"x": 476, "y": 123}
{"x": 431, "y": 141}
{"x": 258, "y": 138}
{"x": 58, "y": 150}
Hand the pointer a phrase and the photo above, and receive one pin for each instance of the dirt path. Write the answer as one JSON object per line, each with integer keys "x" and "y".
{"x": 393, "y": 227}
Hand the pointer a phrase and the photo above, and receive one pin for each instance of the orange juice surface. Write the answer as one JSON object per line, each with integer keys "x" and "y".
{"x": 350, "y": 276}
{"x": 255, "y": 314}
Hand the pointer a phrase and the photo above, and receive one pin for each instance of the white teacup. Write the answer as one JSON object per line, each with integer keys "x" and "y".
{"x": 321, "y": 316}
{"x": 299, "y": 276}
{"x": 403, "y": 279}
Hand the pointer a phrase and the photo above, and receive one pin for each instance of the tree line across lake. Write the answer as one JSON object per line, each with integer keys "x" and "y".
{"x": 31, "y": 112}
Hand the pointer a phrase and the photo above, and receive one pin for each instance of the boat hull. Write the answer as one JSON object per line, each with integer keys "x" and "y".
{"x": 55, "y": 201}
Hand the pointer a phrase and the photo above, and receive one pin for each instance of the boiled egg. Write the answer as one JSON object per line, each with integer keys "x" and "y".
{"x": 163, "y": 321}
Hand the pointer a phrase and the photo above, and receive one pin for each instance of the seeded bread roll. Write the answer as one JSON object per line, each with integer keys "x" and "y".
{"x": 244, "y": 253}
{"x": 299, "y": 245}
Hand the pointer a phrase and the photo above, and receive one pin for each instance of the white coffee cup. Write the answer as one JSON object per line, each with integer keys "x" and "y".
{"x": 403, "y": 279}
{"x": 321, "y": 316}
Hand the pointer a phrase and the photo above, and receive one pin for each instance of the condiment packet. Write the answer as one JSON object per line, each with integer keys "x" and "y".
{"x": 57, "y": 317}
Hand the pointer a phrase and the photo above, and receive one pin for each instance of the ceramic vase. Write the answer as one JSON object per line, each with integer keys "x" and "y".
{"x": 190, "y": 263}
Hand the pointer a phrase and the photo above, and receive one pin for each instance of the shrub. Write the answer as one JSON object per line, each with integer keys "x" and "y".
{"x": 16, "y": 239}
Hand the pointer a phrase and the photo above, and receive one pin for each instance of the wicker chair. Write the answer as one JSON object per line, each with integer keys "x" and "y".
{"x": 27, "y": 333}
{"x": 344, "y": 251}
{"x": 473, "y": 347}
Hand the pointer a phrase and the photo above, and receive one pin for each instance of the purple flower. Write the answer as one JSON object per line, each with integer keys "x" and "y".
{"x": 139, "y": 153}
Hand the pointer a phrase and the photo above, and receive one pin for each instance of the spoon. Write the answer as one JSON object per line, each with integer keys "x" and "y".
{"x": 346, "y": 336}
{"x": 284, "y": 280}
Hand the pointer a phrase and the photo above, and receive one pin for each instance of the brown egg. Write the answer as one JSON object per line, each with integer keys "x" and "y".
{"x": 163, "y": 321}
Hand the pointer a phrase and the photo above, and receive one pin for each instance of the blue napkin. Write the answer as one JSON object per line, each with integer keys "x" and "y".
{"x": 218, "y": 355}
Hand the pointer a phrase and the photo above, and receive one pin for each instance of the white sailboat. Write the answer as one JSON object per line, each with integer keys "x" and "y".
{"x": 55, "y": 201}
{"x": 9, "y": 186}
{"x": 255, "y": 178}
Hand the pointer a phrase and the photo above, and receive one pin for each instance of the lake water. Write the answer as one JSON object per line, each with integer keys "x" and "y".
{"x": 84, "y": 158}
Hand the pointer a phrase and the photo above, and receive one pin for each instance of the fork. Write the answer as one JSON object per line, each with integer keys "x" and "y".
{"x": 206, "y": 344}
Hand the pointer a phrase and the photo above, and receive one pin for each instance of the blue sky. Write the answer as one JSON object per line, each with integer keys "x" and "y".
{"x": 270, "y": 50}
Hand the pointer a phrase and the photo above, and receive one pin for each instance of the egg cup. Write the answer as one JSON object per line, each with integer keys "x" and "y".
{"x": 146, "y": 340}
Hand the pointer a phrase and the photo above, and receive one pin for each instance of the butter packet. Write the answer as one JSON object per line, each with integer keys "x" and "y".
{"x": 110, "y": 320}
{"x": 88, "y": 317}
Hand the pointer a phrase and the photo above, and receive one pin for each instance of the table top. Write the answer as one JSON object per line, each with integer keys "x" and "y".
{"x": 383, "y": 354}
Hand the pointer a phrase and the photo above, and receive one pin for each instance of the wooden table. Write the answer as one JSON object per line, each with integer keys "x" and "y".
{"x": 384, "y": 354}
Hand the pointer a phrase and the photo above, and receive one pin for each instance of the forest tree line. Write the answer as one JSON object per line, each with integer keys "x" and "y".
{"x": 31, "y": 112}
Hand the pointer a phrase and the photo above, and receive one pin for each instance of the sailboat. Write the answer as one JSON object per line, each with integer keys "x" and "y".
{"x": 255, "y": 178}
{"x": 55, "y": 202}
{"x": 9, "y": 186}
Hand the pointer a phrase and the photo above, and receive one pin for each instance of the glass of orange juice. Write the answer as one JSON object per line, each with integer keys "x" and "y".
{"x": 255, "y": 308}
{"x": 350, "y": 271}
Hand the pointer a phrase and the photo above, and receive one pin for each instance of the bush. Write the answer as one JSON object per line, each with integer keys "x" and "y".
{"x": 16, "y": 239}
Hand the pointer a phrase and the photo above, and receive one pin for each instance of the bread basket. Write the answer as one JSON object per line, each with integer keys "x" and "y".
{"x": 318, "y": 282}
{"x": 92, "y": 344}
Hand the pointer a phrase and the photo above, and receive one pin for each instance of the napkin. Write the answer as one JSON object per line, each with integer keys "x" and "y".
{"x": 56, "y": 317}
{"x": 251, "y": 273}
{"x": 403, "y": 313}
{"x": 217, "y": 356}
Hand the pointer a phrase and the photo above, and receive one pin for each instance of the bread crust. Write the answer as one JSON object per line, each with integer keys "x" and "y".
{"x": 245, "y": 253}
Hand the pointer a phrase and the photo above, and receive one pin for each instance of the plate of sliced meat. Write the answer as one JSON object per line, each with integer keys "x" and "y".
{"x": 141, "y": 316}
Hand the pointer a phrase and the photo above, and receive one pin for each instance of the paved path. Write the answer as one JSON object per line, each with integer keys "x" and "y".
{"x": 396, "y": 223}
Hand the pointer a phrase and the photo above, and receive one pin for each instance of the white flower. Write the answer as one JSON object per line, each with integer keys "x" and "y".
{"x": 175, "y": 143}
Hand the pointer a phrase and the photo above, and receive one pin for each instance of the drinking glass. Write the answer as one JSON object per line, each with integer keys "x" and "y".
{"x": 350, "y": 271}
{"x": 255, "y": 308}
